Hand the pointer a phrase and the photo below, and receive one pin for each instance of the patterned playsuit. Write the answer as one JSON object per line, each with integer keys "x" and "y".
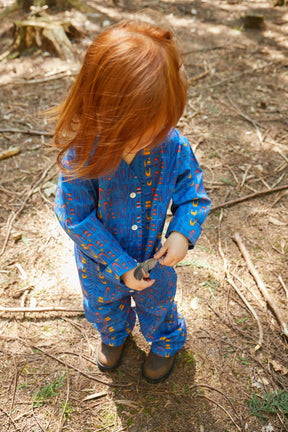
{"x": 116, "y": 221}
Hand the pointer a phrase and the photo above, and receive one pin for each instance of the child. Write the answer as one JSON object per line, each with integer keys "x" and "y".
{"x": 122, "y": 162}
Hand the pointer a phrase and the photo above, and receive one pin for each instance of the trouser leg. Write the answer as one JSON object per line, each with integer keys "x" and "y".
{"x": 114, "y": 321}
{"x": 107, "y": 305}
{"x": 160, "y": 322}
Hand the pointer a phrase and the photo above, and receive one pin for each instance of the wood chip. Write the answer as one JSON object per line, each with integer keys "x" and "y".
{"x": 12, "y": 151}
{"x": 95, "y": 396}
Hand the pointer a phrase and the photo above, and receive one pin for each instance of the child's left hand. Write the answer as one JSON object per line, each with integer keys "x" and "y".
{"x": 174, "y": 249}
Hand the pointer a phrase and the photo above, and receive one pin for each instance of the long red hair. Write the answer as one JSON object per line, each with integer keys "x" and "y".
{"x": 131, "y": 79}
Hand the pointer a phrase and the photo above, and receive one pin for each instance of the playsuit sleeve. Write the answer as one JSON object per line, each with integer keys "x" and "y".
{"x": 190, "y": 203}
{"x": 75, "y": 207}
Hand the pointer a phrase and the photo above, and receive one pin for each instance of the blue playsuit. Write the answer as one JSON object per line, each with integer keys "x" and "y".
{"x": 117, "y": 221}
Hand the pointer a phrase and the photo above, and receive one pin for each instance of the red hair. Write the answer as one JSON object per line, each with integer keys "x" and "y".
{"x": 130, "y": 81}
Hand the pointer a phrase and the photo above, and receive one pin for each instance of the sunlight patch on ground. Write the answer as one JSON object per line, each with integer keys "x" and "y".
{"x": 57, "y": 281}
{"x": 66, "y": 273}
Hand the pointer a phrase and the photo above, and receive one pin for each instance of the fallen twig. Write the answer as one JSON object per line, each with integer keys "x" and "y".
{"x": 281, "y": 421}
{"x": 95, "y": 396}
{"x": 243, "y": 298}
{"x": 62, "y": 418}
{"x": 15, "y": 379}
{"x": 236, "y": 237}
{"x": 198, "y": 77}
{"x": 222, "y": 408}
{"x": 42, "y": 309}
{"x": 37, "y": 421}
{"x": 239, "y": 74}
{"x": 195, "y": 387}
{"x": 70, "y": 366}
{"x": 248, "y": 197}
{"x": 284, "y": 286}
{"x": 22, "y": 82}
{"x": 83, "y": 356}
{"x": 245, "y": 116}
{"x": 10, "y": 418}
{"x": 22, "y": 415}
{"x": 212, "y": 48}
{"x": 26, "y": 131}
{"x": 259, "y": 300}
{"x": 81, "y": 329}
{"x": 251, "y": 309}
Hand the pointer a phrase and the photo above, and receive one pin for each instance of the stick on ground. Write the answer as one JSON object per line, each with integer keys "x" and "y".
{"x": 70, "y": 366}
{"x": 248, "y": 197}
{"x": 236, "y": 237}
{"x": 42, "y": 309}
{"x": 240, "y": 294}
{"x": 26, "y": 131}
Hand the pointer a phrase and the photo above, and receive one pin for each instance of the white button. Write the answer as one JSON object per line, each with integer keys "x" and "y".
{"x": 132, "y": 195}
{"x": 134, "y": 227}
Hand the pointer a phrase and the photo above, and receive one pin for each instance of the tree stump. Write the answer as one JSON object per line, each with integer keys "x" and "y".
{"x": 25, "y": 5}
{"x": 45, "y": 34}
{"x": 280, "y": 3}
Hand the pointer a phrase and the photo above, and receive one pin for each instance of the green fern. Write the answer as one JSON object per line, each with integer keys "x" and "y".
{"x": 271, "y": 403}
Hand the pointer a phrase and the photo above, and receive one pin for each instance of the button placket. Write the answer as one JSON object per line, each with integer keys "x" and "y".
{"x": 136, "y": 196}
{"x": 132, "y": 195}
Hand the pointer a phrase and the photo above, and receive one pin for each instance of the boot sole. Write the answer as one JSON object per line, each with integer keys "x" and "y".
{"x": 104, "y": 368}
{"x": 161, "y": 378}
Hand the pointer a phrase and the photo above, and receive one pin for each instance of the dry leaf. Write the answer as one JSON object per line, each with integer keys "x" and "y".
{"x": 128, "y": 403}
{"x": 277, "y": 222}
{"x": 278, "y": 367}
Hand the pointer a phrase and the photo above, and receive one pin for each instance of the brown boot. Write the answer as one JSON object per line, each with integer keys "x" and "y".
{"x": 108, "y": 357}
{"x": 156, "y": 368}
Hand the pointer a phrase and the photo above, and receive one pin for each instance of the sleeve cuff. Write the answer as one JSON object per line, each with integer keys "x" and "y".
{"x": 119, "y": 266}
{"x": 190, "y": 229}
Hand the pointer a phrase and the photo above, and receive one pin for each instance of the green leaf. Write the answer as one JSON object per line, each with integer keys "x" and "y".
{"x": 226, "y": 181}
{"x": 213, "y": 109}
{"x": 195, "y": 263}
{"x": 25, "y": 240}
{"x": 241, "y": 320}
{"x": 244, "y": 361}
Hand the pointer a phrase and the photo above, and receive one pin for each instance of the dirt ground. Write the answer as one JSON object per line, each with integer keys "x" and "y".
{"x": 232, "y": 374}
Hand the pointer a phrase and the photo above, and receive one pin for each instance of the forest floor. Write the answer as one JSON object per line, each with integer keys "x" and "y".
{"x": 232, "y": 374}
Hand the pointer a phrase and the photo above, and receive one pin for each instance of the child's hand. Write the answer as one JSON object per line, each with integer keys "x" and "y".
{"x": 174, "y": 249}
{"x": 130, "y": 281}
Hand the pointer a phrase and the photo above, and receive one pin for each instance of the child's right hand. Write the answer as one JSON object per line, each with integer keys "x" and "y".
{"x": 131, "y": 282}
